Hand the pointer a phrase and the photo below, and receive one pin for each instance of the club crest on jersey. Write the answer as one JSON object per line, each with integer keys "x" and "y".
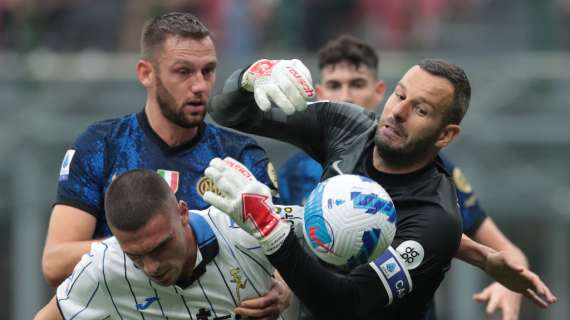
{"x": 461, "y": 182}
{"x": 238, "y": 280}
{"x": 65, "y": 164}
{"x": 171, "y": 177}
{"x": 205, "y": 184}
{"x": 272, "y": 174}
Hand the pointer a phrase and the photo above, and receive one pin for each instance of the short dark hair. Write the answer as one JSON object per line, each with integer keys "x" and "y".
{"x": 461, "y": 87}
{"x": 347, "y": 48}
{"x": 136, "y": 196}
{"x": 157, "y": 29}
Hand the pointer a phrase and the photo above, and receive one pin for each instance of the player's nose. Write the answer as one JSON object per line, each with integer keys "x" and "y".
{"x": 345, "y": 95}
{"x": 199, "y": 83}
{"x": 151, "y": 266}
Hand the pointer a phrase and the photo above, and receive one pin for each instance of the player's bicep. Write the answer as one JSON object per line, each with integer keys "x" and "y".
{"x": 82, "y": 295}
{"x": 69, "y": 224}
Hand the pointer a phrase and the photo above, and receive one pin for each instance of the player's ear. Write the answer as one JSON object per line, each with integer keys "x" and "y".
{"x": 319, "y": 91}
{"x": 447, "y": 135}
{"x": 380, "y": 90}
{"x": 183, "y": 211}
{"x": 145, "y": 73}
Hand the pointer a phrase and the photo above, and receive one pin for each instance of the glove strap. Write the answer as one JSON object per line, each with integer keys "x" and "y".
{"x": 275, "y": 239}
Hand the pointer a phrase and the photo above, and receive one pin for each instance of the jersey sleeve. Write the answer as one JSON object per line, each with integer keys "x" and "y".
{"x": 405, "y": 275}
{"x": 472, "y": 212}
{"x": 81, "y": 175}
{"x": 423, "y": 250}
{"x": 82, "y": 295}
{"x": 324, "y": 291}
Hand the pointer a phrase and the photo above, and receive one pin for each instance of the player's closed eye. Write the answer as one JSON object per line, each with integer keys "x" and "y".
{"x": 420, "y": 110}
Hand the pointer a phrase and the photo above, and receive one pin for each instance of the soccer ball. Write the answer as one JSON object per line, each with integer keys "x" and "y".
{"x": 349, "y": 220}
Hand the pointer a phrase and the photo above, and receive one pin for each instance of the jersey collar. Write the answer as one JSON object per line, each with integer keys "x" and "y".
{"x": 208, "y": 247}
{"x": 388, "y": 180}
{"x": 152, "y": 135}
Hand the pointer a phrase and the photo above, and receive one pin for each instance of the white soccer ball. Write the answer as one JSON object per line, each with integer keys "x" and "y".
{"x": 349, "y": 220}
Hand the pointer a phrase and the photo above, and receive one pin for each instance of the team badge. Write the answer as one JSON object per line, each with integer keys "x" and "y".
{"x": 65, "y": 164}
{"x": 271, "y": 173}
{"x": 237, "y": 279}
{"x": 171, "y": 177}
{"x": 412, "y": 253}
{"x": 461, "y": 182}
{"x": 205, "y": 184}
{"x": 390, "y": 268}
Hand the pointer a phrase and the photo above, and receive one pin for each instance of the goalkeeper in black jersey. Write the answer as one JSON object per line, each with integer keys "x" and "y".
{"x": 399, "y": 151}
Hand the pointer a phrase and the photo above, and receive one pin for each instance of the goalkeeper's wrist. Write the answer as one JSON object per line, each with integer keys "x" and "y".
{"x": 272, "y": 242}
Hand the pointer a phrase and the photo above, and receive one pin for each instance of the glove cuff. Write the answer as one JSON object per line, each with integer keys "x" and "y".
{"x": 272, "y": 242}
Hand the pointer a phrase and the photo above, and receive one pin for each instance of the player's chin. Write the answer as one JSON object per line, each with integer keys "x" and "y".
{"x": 194, "y": 118}
{"x": 166, "y": 279}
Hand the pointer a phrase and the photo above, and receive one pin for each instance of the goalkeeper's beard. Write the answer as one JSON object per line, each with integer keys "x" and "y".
{"x": 408, "y": 154}
{"x": 167, "y": 104}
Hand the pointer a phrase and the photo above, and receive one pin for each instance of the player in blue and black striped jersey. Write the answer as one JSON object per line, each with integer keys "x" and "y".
{"x": 177, "y": 69}
{"x": 108, "y": 148}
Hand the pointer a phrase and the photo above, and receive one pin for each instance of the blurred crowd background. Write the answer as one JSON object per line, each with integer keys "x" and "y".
{"x": 67, "y": 63}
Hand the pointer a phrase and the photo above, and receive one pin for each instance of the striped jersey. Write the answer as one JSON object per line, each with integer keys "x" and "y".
{"x": 230, "y": 267}
{"x": 111, "y": 147}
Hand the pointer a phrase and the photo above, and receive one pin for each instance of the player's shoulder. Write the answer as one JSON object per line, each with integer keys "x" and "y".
{"x": 343, "y": 113}
{"x": 227, "y": 136}
{"x": 102, "y": 130}
{"x": 105, "y": 255}
{"x": 224, "y": 228}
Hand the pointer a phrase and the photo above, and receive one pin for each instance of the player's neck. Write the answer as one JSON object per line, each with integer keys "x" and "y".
{"x": 172, "y": 134}
{"x": 192, "y": 255}
{"x": 384, "y": 166}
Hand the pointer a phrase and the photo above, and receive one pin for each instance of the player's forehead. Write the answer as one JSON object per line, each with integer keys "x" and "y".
{"x": 346, "y": 71}
{"x": 157, "y": 231}
{"x": 180, "y": 50}
{"x": 421, "y": 84}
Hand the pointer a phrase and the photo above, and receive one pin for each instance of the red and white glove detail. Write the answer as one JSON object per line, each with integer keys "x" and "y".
{"x": 286, "y": 83}
{"x": 247, "y": 201}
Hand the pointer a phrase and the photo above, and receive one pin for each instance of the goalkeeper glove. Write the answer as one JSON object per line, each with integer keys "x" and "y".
{"x": 247, "y": 201}
{"x": 287, "y": 83}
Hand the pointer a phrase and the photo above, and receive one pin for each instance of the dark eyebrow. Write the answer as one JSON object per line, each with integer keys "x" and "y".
{"x": 418, "y": 99}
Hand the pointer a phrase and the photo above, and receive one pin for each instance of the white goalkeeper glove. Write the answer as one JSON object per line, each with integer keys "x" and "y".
{"x": 247, "y": 201}
{"x": 286, "y": 83}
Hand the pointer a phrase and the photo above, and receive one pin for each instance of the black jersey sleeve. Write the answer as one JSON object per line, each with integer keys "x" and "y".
{"x": 327, "y": 293}
{"x": 317, "y": 130}
{"x": 400, "y": 283}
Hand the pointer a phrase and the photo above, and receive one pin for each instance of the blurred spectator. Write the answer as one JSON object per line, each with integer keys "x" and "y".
{"x": 71, "y": 25}
{"x": 409, "y": 23}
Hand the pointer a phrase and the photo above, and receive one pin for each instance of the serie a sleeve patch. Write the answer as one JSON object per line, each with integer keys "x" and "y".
{"x": 393, "y": 274}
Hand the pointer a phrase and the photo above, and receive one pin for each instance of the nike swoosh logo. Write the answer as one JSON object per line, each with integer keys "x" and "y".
{"x": 336, "y": 167}
{"x": 147, "y": 302}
